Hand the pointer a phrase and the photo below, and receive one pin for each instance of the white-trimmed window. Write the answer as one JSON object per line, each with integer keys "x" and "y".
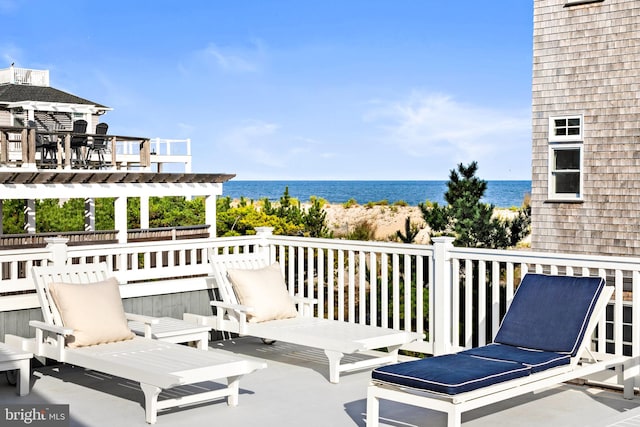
{"x": 567, "y": 128}
{"x": 565, "y": 158}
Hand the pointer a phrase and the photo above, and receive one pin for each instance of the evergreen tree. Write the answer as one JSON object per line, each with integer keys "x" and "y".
{"x": 410, "y": 232}
{"x": 468, "y": 219}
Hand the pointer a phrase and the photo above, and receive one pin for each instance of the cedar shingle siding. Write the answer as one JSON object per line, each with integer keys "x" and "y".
{"x": 586, "y": 61}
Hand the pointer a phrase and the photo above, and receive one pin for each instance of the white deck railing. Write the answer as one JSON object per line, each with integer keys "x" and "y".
{"x": 159, "y": 146}
{"x": 454, "y": 296}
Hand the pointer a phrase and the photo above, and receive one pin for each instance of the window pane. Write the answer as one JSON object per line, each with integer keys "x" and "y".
{"x": 574, "y": 131}
{"x": 561, "y": 131}
{"x": 574, "y": 122}
{"x": 568, "y": 182}
{"x": 567, "y": 159}
{"x": 560, "y": 122}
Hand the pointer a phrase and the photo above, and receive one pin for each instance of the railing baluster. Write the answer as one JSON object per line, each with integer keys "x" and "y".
{"x": 482, "y": 303}
{"x": 331, "y": 285}
{"x": 468, "y": 303}
{"x": 351, "y": 287}
{"x": 373, "y": 289}
{"x": 395, "y": 301}
{"x": 495, "y": 298}
{"x": 340, "y": 289}
{"x": 362, "y": 285}
{"x": 420, "y": 309}
{"x": 408, "y": 303}
{"x": 384, "y": 289}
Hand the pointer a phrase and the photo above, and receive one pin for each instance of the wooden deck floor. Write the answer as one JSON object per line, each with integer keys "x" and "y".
{"x": 294, "y": 391}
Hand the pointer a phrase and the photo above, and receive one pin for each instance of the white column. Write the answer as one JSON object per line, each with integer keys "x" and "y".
{"x": 89, "y": 214}
{"x": 144, "y": 212}
{"x": 442, "y": 295}
{"x": 30, "y": 216}
{"x": 120, "y": 213}
{"x": 210, "y": 214}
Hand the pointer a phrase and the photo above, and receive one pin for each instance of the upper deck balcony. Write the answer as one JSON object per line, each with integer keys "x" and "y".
{"x": 19, "y": 147}
{"x": 24, "y": 76}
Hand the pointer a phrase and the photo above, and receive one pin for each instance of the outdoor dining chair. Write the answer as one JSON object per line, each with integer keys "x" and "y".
{"x": 79, "y": 141}
{"x": 100, "y": 145}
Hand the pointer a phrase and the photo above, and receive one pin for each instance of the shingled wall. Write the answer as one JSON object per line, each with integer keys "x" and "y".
{"x": 586, "y": 60}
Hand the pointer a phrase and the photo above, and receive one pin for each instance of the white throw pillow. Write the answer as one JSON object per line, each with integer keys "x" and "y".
{"x": 93, "y": 310}
{"x": 265, "y": 291}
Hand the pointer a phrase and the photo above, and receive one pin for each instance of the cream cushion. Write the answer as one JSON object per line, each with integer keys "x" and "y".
{"x": 264, "y": 290}
{"x": 93, "y": 310}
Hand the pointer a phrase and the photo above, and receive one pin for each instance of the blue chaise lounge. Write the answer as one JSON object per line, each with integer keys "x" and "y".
{"x": 541, "y": 342}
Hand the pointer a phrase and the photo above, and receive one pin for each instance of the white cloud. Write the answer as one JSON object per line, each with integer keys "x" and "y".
{"x": 428, "y": 125}
{"x": 263, "y": 147}
{"x": 234, "y": 59}
{"x": 255, "y": 142}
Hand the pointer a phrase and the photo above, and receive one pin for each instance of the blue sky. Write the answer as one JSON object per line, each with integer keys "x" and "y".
{"x": 296, "y": 89}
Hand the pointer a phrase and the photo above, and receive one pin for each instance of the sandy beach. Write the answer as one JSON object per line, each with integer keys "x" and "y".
{"x": 387, "y": 220}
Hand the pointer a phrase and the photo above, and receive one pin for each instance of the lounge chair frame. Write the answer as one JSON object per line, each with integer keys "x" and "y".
{"x": 172, "y": 365}
{"x": 335, "y": 338}
{"x": 583, "y": 364}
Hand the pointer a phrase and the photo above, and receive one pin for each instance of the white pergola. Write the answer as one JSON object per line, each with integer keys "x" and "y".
{"x": 90, "y": 185}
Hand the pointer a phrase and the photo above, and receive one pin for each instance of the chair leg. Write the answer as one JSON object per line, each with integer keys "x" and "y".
{"x": 454, "y": 417}
{"x": 233, "y": 384}
{"x": 151, "y": 394}
{"x": 24, "y": 378}
{"x": 373, "y": 408}
{"x": 334, "y": 365}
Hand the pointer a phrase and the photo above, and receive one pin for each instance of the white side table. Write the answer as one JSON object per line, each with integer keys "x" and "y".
{"x": 14, "y": 359}
{"x": 176, "y": 331}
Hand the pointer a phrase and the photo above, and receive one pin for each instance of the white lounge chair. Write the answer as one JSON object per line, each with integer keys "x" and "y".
{"x": 544, "y": 340}
{"x": 155, "y": 364}
{"x": 263, "y": 285}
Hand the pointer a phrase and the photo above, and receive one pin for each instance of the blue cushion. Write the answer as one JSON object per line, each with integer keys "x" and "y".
{"x": 451, "y": 373}
{"x": 535, "y": 359}
{"x": 550, "y": 313}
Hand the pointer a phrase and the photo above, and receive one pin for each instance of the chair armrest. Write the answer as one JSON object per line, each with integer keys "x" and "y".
{"x": 147, "y": 321}
{"x": 229, "y": 306}
{"x": 60, "y": 330}
{"x": 305, "y": 305}
{"x": 304, "y": 300}
{"x": 240, "y": 311}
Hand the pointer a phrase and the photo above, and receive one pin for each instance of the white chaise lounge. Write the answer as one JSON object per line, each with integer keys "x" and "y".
{"x": 543, "y": 340}
{"x": 85, "y": 325}
{"x": 255, "y": 302}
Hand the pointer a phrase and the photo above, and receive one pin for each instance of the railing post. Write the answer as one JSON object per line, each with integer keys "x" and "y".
{"x": 145, "y": 154}
{"x": 4, "y": 147}
{"x": 442, "y": 295}
{"x": 263, "y": 233}
{"x": 24, "y": 144}
{"x": 31, "y": 147}
{"x": 58, "y": 248}
{"x": 67, "y": 151}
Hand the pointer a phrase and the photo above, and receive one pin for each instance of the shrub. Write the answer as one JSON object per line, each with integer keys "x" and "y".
{"x": 350, "y": 203}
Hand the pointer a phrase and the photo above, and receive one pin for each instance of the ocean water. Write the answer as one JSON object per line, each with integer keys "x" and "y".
{"x": 502, "y": 194}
